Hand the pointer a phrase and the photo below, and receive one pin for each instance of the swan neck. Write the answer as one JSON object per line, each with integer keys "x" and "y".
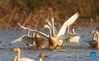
{"x": 53, "y": 30}
{"x": 18, "y": 56}
{"x": 40, "y": 59}
{"x": 50, "y": 33}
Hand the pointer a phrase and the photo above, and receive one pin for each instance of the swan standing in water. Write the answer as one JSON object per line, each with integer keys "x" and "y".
{"x": 17, "y": 57}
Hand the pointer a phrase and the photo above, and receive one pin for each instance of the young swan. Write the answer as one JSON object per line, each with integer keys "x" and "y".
{"x": 17, "y": 56}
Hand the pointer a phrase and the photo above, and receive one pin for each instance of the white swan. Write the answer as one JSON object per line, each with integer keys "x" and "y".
{"x": 74, "y": 39}
{"x": 17, "y": 57}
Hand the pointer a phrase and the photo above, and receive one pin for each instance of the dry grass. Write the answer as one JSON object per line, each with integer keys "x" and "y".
{"x": 31, "y": 13}
{"x": 38, "y": 19}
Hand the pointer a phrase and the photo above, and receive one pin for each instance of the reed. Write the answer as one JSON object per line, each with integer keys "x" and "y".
{"x": 31, "y": 12}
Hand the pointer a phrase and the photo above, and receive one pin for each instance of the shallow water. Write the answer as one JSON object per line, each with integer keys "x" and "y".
{"x": 61, "y": 55}
{"x": 67, "y": 54}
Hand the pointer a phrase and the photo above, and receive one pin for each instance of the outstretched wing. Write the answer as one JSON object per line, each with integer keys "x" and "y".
{"x": 18, "y": 39}
{"x": 41, "y": 34}
{"x": 67, "y": 23}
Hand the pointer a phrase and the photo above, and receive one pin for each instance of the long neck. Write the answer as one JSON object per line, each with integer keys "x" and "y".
{"x": 18, "y": 56}
{"x": 53, "y": 30}
{"x": 40, "y": 59}
{"x": 50, "y": 32}
{"x": 15, "y": 58}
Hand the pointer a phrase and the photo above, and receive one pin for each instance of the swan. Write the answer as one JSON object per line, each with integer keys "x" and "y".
{"x": 56, "y": 40}
{"x": 53, "y": 39}
{"x": 74, "y": 39}
{"x": 95, "y": 39}
{"x": 31, "y": 40}
{"x": 17, "y": 57}
{"x": 71, "y": 38}
{"x": 39, "y": 42}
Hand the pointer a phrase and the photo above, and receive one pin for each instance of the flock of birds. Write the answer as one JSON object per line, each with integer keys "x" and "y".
{"x": 54, "y": 39}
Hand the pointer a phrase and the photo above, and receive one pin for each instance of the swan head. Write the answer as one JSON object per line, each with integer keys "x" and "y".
{"x": 46, "y": 26}
{"x": 42, "y": 55}
{"x": 16, "y": 50}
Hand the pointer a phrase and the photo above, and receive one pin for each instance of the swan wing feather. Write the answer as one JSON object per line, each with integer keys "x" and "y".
{"x": 68, "y": 23}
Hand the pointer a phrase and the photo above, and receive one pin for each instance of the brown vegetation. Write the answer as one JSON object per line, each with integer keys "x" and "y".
{"x": 32, "y": 12}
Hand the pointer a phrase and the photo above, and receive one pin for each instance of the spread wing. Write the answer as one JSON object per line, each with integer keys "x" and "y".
{"x": 67, "y": 23}
{"x": 41, "y": 34}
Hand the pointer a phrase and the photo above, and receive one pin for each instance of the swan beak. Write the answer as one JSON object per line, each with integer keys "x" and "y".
{"x": 16, "y": 50}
